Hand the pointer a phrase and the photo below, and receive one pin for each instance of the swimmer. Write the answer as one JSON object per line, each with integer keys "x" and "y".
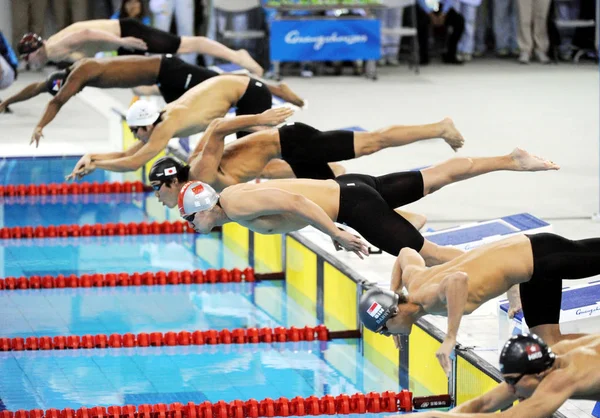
{"x": 188, "y": 115}
{"x": 8, "y": 64}
{"x": 304, "y": 149}
{"x": 164, "y": 75}
{"x": 86, "y": 38}
{"x": 173, "y": 76}
{"x": 362, "y": 202}
{"x": 537, "y": 263}
{"x": 541, "y": 378}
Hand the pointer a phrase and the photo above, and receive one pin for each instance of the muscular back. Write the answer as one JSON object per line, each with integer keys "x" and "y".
{"x": 122, "y": 72}
{"x": 324, "y": 193}
{"x": 581, "y": 358}
{"x": 492, "y": 270}
{"x": 205, "y": 102}
{"x": 106, "y": 25}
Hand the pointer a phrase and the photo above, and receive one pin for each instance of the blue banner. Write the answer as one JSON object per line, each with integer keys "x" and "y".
{"x": 325, "y": 40}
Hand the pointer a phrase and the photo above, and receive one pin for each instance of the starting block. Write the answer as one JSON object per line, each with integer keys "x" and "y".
{"x": 579, "y": 313}
{"x": 473, "y": 235}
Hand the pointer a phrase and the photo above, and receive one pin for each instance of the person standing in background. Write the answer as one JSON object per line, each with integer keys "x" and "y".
{"x": 69, "y": 11}
{"x": 505, "y": 26}
{"x": 135, "y": 9}
{"x": 466, "y": 45}
{"x": 483, "y": 24}
{"x": 162, "y": 12}
{"x": 27, "y": 16}
{"x": 390, "y": 18}
{"x": 439, "y": 13}
{"x": 533, "y": 30}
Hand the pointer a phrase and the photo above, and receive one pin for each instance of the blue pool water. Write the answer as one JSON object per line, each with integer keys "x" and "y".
{"x": 75, "y": 378}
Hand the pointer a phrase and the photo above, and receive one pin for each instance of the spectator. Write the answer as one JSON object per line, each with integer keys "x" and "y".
{"x": 162, "y": 12}
{"x": 533, "y": 20}
{"x": 67, "y": 12}
{"x": 483, "y": 24}
{"x": 8, "y": 63}
{"x": 390, "y": 18}
{"x": 468, "y": 10}
{"x": 439, "y": 13}
{"x": 135, "y": 9}
{"x": 505, "y": 27}
{"x": 27, "y": 16}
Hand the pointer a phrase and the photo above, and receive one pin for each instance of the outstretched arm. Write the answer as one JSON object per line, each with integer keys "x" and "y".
{"x": 501, "y": 397}
{"x": 73, "y": 85}
{"x": 157, "y": 143}
{"x": 27, "y": 93}
{"x": 554, "y": 390}
{"x": 251, "y": 204}
{"x": 86, "y": 164}
{"x": 452, "y": 292}
{"x": 101, "y": 41}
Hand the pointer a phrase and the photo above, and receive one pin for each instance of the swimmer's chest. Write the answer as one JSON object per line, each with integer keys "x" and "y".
{"x": 273, "y": 224}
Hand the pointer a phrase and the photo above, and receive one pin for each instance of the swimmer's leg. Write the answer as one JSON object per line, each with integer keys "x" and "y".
{"x": 338, "y": 169}
{"x": 366, "y": 143}
{"x": 282, "y": 90}
{"x": 462, "y": 168}
{"x": 204, "y": 45}
{"x": 415, "y": 219}
{"x": 434, "y": 254}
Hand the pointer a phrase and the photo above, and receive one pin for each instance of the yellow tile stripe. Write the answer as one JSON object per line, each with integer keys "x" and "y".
{"x": 339, "y": 299}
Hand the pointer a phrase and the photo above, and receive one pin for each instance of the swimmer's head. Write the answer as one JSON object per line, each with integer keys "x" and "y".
{"x": 31, "y": 49}
{"x": 167, "y": 176}
{"x": 196, "y": 203}
{"x": 523, "y": 362}
{"x": 141, "y": 117}
{"x": 55, "y": 81}
{"x": 376, "y": 307}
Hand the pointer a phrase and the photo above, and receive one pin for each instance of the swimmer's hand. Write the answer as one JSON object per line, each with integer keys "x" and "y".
{"x": 443, "y": 354}
{"x": 3, "y": 107}
{"x": 132, "y": 43}
{"x": 274, "y": 117}
{"x": 396, "y": 339}
{"x": 351, "y": 243}
{"x": 83, "y": 167}
{"x": 37, "y": 135}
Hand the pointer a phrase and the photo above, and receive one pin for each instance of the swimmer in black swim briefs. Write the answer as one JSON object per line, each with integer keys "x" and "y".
{"x": 363, "y": 202}
{"x": 86, "y": 38}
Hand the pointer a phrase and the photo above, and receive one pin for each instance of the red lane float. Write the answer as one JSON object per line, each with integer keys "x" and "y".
{"x": 56, "y": 189}
{"x": 137, "y": 279}
{"x": 97, "y": 230}
{"x": 158, "y": 339}
{"x": 358, "y": 403}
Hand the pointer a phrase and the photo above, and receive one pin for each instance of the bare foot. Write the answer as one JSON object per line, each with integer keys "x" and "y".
{"x": 514, "y": 301}
{"x": 246, "y": 61}
{"x": 289, "y": 96}
{"x": 527, "y": 162}
{"x": 451, "y": 135}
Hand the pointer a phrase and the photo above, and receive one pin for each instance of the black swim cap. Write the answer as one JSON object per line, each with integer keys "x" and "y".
{"x": 526, "y": 354}
{"x": 30, "y": 42}
{"x": 55, "y": 81}
{"x": 165, "y": 169}
{"x": 376, "y": 306}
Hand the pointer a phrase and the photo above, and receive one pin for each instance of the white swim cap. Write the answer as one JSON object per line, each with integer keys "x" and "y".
{"x": 196, "y": 196}
{"x": 142, "y": 113}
